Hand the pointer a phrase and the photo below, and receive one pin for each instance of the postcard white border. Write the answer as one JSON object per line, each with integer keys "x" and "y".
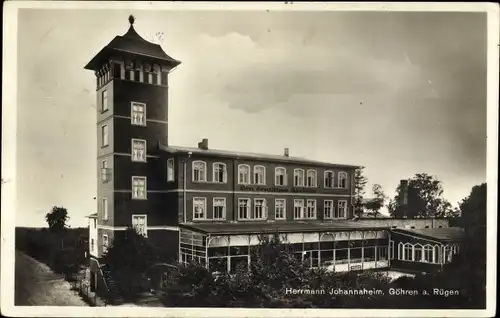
{"x": 9, "y": 158}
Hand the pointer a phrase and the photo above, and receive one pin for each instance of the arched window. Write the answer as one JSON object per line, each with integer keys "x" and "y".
{"x": 243, "y": 174}
{"x": 437, "y": 254}
{"x": 199, "y": 171}
{"x": 329, "y": 181}
{"x": 428, "y": 254}
{"x": 342, "y": 180}
{"x": 408, "y": 252}
{"x": 311, "y": 178}
{"x": 417, "y": 253}
{"x": 259, "y": 175}
{"x": 401, "y": 251}
{"x": 219, "y": 172}
{"x": 298, "y": 177}
{"x": 280, "y": 176}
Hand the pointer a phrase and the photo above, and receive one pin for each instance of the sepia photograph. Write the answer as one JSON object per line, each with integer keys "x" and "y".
{"x": 283, "y": 159}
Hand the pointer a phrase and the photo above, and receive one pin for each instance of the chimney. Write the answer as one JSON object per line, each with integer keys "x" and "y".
{"x": 287, "y": 152}
{"x": 203, "y": 144}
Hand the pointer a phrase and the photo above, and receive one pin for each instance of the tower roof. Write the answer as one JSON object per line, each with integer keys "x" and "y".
{"x": 132, "y": 45}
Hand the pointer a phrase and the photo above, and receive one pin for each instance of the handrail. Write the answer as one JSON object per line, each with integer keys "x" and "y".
{"x": 102, "y": 274}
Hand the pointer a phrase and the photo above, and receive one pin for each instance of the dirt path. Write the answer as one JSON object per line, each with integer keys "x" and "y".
{"x": 37, "y": 285}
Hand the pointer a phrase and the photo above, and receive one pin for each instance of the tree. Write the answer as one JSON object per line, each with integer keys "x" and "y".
{"x": 128, "y": 258}
{"x": 360, "y": 182}
{"x": 425, "y": 199}
{"x": 57, "y": 218}
{"x": 374, "y": 205}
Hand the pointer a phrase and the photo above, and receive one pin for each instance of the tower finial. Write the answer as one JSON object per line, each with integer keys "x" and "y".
{"x": 131, "y": 19}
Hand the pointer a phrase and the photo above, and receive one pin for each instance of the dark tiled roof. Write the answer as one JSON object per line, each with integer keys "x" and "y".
{"x": 249, "y": 155}
{"x": 282, "y": 227}
{"x": 441, "y": 234}
{"x": 132, "y": 43}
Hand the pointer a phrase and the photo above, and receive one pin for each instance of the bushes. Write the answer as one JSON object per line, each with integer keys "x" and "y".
{"x": 47, "y": 247}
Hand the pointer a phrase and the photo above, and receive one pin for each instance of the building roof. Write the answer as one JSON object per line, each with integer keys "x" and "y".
{"x": 131, "y": 43}
{"x": 281, "y": 227}
{"x": 445, "y": 234}
{"x": 249, "y": 155}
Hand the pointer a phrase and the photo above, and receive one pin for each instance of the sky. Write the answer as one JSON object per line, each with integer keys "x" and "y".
{"x": 397, "y": 92}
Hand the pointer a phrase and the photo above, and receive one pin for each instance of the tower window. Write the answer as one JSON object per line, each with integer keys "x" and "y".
{"x": 139, "y": 188}
{"x": 104, "y": 100}
{"x": 138, "y": 150}
{"x": 104, "y": 171}
{"x": 170, "y": 170}
{"x": 104, "y": 136}
{"x": 104, "y": 208}
{"x": 140, "y": 224}
{"x": 105, "y": 243}
{"x": 138, "y": 114}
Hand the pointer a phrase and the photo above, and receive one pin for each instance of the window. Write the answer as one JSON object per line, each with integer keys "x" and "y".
{"x": 243, "y": 174}
{"x": 329, "y": 179}
{"x": 298, "y": 177}
{"x": 219, "y": 208}
{"x": 105, "y": 243}
{"x": 279, "y": 209}
{"x": 408, "y": 250}
{"x": 92, "y": 245}
{"x": 311, "y": 178}
{"x": 259, "y": 209}
{"x": 139, "y": 223}
{"x": 328, "y": 209}
{"x": 199, "y": 208}
{"x": 139, "y": 150}
{"x": 311, "y": 209}
{"x": 342, "y": 210}
{"x": 428, "y": 254}
{"x": 104, "y": 100}
{"x": 170, "y": 169}
{"x": 138, "y": 114}
{"x": 417, "y": 253}
{"x": 298, "y": 209}
{"x": 139, "y": 188}
{"x": 104, "y": 171}
{"x": 342, "y": 182}
{"x": 104, "y": 208}
{"x": 219, "y": 172}
{"x": 259, "y": 175}
{"x": 104, "y": 136}
{"x": 280, "y": 176}
{"x": 243, "y": 209}
{"x": 199, "y": 171}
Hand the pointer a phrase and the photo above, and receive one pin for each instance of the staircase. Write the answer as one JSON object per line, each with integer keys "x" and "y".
{"x": 113, "y": 291}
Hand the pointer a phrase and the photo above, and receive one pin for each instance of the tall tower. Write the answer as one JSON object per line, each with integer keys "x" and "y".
{"x": 132, "y": 118}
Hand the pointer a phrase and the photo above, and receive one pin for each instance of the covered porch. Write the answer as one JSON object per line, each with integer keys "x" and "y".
{"x": 338, "y": 247}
